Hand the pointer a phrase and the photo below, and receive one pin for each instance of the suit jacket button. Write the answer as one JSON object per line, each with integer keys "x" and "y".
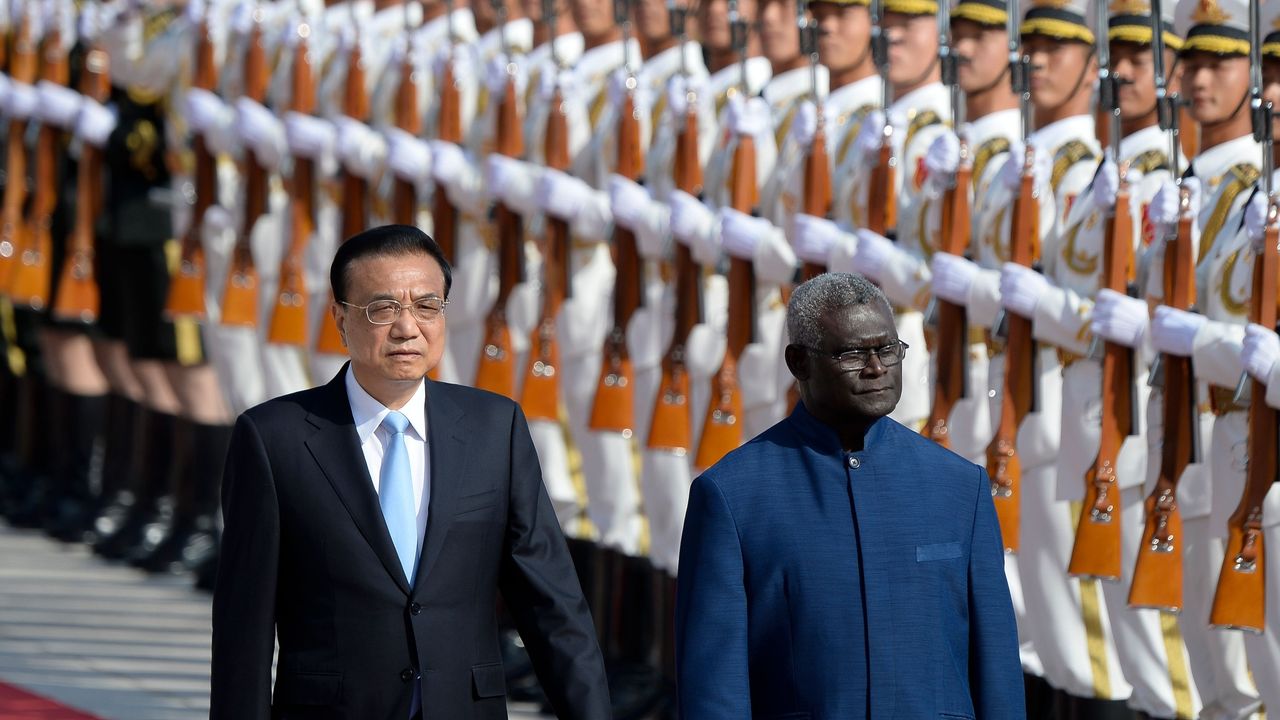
{"x": 415, "y": 609}
{"x": 854, "y": 463}
{"x": 406, "y": 674}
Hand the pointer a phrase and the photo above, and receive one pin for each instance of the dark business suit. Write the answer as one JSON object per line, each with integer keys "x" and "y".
{"x": 820, "y": 584}
{"x": 307, "y": 557}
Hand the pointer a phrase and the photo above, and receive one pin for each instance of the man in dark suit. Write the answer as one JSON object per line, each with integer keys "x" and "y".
{"x": 371, "y": 524}
{"x": 840, "y": 565}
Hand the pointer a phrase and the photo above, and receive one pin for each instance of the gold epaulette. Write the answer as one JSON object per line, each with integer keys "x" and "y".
{"x": 985, "y": 154}
{"x": 1150, "y": 161}
{"x": 1068, "y": 155}
{"x": 1239, "y": 178}
{"x": 919, "y": 122}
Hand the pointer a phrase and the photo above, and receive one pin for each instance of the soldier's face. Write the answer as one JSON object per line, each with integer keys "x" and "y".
{"x": 983, "y": 53}
{"x": 913, "y": 46}
{"x": 779, "y": 34}
{"x": 1060, "y": 69}
{"x": 593, "y": 17}
{"x": 406, "y": 350}
{"x": 844, "y": 34}
{"x": 1215, "y": 85}
{"x": 653, "y": 21}
{"x": 1135, "y": 66}
{"x": 713, "y": 22}
{"x": 835, "y": 394}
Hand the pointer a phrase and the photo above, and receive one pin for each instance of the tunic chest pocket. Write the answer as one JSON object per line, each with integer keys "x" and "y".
{"x": 937, "y": 551}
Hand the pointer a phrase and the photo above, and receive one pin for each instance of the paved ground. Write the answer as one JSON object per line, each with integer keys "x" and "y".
{"x": 102, "y": 637}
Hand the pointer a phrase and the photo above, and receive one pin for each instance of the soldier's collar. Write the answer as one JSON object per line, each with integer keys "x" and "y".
{"x": 784, "y": 88}
{"x": 1213, "y": 162}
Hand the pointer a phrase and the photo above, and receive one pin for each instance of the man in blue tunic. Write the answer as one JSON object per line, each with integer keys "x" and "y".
{"x": 839, "y": 565}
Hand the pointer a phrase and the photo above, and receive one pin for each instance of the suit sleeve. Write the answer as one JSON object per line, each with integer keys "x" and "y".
{"x": 995, "y": 671}
{"x": 245, "y": 598}
{"x": 711, "y": 612}
{"x": 540, "y": 587}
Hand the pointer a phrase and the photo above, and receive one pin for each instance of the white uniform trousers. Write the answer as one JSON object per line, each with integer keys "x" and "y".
{"x": 917, "y": 394}
{"x": 1264, "y": 650}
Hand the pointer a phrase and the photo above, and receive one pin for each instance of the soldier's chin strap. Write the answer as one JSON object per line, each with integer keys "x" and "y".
{"x": 1001, "y": 78}
{"x": 1093, "y": 54}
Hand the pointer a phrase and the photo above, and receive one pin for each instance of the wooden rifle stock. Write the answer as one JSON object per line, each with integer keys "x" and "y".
{"x": 613, "y": 409}
{"x": 497, "y": 369}
{"x": 404, "y": 194}
{"x": 817, "y": 188}
{"x": 33, "y": 273}
{"x": 14, "y": 230}
{"x": 187, "y": 288}
{"x": 355, "y": 191}
{"x": 289, "y": 317}
{"x": 1096, "y": 552}
{"x": 671, "y": 427}
{"x": 882, "y": 206}
{"x": 240, "y": 298}
{"x": 1157, "y": 575}
{"x": 952, "y": 350}
{"x": 444, "y": 216}
{"x": 540, "y": 396}
{"x": 1240, "y": 598}
{"x": 722, "y": 430}
{"x": 78, "y": 297}
{"x": 1018, "y": 385}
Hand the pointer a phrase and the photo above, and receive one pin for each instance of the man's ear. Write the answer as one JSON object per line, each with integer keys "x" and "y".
{"x": 339, "y": 317}
{"x": 797, "y": 362}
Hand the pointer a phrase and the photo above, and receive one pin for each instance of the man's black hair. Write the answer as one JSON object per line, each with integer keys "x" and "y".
{"x": 384, "y": 241}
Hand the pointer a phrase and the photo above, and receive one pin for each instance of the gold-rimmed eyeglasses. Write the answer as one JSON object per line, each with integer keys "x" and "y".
{"x": 385, "y": 312}
{"x": 851, "y": 360}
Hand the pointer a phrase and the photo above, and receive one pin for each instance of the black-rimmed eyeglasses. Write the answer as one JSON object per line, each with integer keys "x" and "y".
{"x": 851, "y": 360}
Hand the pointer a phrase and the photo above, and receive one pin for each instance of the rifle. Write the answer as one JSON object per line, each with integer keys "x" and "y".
{"x": 187, "y": 288}
{"x": 240, "y": 298}
{"x": 953, "y": 322}
{"x": 613, "y": 409}
{"x": 540, "y": 396}
{"x": 496, "y": 371}
{"x": 1240, "y": 599}
{"x": 671, "y": 427}
{"x": 289, "y": 318}
{"x": 22, "y": 68}
{"x": 722, "y": 429}
{"x": 817, "y": 165}
{"x": 1096, "y": 552}
{"x": 32, "y": 275}
{"x": 404, "y": 194}
{"x": 1157, "y": 574}
{"x": 355, "y": 190}
{"x": 444, "y": 216}
{"x": 1019, "y": 383}
{"x": 78, "y": 298}
{"x": 882, "y": 206}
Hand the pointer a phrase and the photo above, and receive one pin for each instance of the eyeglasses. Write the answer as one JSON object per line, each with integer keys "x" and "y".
{"x": 851, "y": 360}
{"x": 385, "y": 312}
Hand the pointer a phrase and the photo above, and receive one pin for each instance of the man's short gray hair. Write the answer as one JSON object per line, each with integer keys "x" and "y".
{"x": 824, "y": 295}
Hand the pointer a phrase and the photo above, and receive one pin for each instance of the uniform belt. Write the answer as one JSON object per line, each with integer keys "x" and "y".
{"x": 1222, "y": 401}
{"x": 1067, "y": 358}
{"x": 995, "y": 345}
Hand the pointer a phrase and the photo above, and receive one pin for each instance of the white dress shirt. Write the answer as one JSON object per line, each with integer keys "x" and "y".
{"x": 368, "y": 414}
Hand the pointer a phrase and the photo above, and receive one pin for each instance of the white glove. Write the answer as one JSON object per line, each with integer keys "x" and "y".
{"x": 1167, "y": 200}
{"x": 561, "y": 194}
{"x": 212, "y": 118}
{"x": 95, "y": 123}
{"x": 308, "y": 136}
{"x": 740, "y": 233}
{"x": 90, "y": 25}
{"x": 363, "y": 152}
{"x": 1041, "y": 168}
{"x": 750, "y": 116}
{"x": 642, "y": 95}
{"x": 554, "y": 79}
{"x": 1261, "y": 351}
{"x": 678, "y": 89}
{"x": 1174, "y": 331}
{"x": 1119, "y": 318}
{"x": 512, "y": 181}
{"x": 1255, "y": 218}
{"x": 409, "y": 157}
{"x": 813, "y": 238}
{"x": 874, "y": 250}
{"x": 629, "y": 202}
{"x": 262, "y": 131}
{"x": 693, "y": 224}
{"x": 804, "y": 124}
{"x": 953, "y": 277}
{"x": 22, "y": 101}
{"x": 941, "y": 161}
{"x": 1021, "y": 289}
{"x": 871, "y": 135}
{"x": 462, "y": 63}
{"x": 1106, "y": 185}
{"x": 448, "y": 162}
{"x": 59, "y": 104}
{"x": 496, "y": 76}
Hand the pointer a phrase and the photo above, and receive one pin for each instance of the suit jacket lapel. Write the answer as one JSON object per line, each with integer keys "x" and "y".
{"x": 336, "y": 449}
{"x": 448, "y": 450}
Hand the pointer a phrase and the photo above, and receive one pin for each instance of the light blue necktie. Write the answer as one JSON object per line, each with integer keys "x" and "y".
{"x": 396, "y": 495}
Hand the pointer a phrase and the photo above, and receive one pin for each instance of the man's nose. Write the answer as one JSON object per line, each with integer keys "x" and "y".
{"x": 875, "y": 367}
{"x": 405, "y": 325}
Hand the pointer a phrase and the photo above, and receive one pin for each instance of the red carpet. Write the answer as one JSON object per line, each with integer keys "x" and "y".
{"x": 18, "y": 704}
